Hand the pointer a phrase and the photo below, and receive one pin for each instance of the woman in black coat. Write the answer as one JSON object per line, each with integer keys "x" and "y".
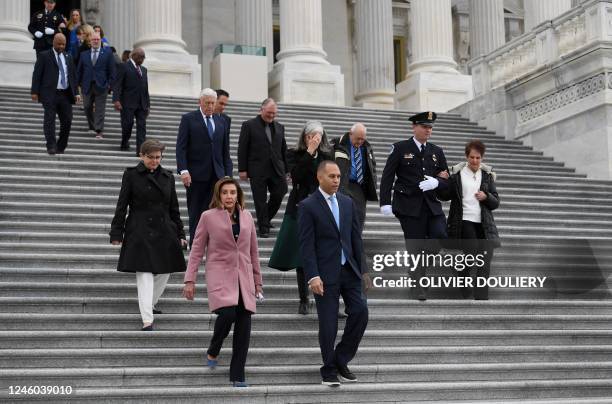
{"x": 152, "y": 238}
{"x": 473, "y": 197}
{"x": 312, "y": 148}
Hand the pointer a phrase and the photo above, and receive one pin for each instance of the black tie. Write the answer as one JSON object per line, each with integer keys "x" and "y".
{"x": 422, "y": 149}
{"x": 268, "y": 133}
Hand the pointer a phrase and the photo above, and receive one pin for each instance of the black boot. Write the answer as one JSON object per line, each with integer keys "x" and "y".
{"x": 303, "y": 291}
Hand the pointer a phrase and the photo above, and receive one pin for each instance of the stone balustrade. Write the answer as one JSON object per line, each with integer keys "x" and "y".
{"x": 548, "y": 43}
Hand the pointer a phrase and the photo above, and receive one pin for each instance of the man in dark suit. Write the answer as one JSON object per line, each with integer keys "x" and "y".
{"x": 131, "y": 97}
{"x": 221, "y": 104}
{"x": 96, "y": 72}
{"x": 202, "y": 155}
{"x": 416, "y": 163}
{"x": 54, "y": 85}
{"x": 331, "y": 249}
{"x": 44, "y": 25}
{"x": 355, "y": 157}
{"x": 262, "y": 151}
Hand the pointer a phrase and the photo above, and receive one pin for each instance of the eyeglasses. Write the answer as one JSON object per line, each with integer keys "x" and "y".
{"x": 153, "y": 157}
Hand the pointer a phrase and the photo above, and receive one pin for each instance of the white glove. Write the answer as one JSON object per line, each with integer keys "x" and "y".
{"x": 260, "y": 297}
{"x": 38, "y": 34}
{"x": 49, "y": 31}
{"x": 386, "y": 210}
{"x": 428, "y": 184}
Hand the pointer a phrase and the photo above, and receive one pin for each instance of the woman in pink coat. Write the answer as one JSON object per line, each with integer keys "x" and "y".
{"x": 227, "y": 233}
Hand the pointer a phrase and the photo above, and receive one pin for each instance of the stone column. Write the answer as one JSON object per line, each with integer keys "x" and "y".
{"x": 302, "y": 73}
{"x": 486, "y": 26}
{"x": 431, "y": 36}
{"x": 432, "y": 82}
{"x": 538, "y": 11}
{"x": 172, "y": 71}
{"x": 17, "y": 56}
{"x": 254, "y": 25}
{"x": 374, "y": 31}
{"x": 118, "y": 23}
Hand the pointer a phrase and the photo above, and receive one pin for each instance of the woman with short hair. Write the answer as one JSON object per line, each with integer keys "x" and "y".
{"x": 152, "y": 237}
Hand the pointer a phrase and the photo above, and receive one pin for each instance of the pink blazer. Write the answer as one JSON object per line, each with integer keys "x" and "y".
{"x": 229, "y": 264}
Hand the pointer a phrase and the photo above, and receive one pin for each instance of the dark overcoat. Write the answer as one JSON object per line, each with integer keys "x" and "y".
{"x": 152, "y": 232}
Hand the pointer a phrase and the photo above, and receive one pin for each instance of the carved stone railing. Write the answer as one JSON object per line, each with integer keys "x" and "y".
{"x": 547, "y": 43}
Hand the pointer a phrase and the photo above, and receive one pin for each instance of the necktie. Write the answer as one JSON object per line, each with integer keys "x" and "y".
{"x": 94, "y": 57}
{"x": 209, "y": 127}
{"x": 268, "y": 133}
{"x": 422, "y": 148}
{"x": 358, "y": 165}
{"x": 61, "y": 70}
{"x": 336, "y": 212}
{"x": 138, "y": 71}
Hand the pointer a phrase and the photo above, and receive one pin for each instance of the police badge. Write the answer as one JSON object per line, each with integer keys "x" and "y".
{"x": 434, "y": 158}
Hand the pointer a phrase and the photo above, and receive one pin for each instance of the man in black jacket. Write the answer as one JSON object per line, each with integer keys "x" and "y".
{"x": 44, "y": 25}
{"x": 131, "y": 97}
{"x": 412, "y": 171}
{"x": 355, "y": 157}
{"x": 262, "y": 159}
{"x": 54, "y": 85}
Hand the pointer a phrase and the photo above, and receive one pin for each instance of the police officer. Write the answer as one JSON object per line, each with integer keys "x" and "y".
{"x": 44, "y": 25}
{"x": 417, "y": 164}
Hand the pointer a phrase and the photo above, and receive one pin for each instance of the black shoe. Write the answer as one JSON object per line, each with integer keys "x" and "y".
{"x": 263, "y": 233}
{"x": 156, "y": 311}
{"x": 148, "y": 328}
{"x": 60, "y": 152}
{"x": 422, "y": 296}
{"x": 125, "y": 148}
{"x": 331, "y": 381}
{"x": 346, "y": 375}
{"x": 52, "y": 151}
{"x": 303, "y": 308}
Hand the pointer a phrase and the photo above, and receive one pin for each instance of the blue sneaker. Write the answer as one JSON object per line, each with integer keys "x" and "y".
{"x": 211, "y": 363}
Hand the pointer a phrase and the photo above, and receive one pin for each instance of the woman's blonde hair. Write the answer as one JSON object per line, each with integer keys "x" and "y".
{"x": 216, "y": 198}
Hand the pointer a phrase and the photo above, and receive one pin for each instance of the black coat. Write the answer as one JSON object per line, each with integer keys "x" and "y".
{"x": 46, "y": 74}
{"x": 256, "y": 155}
{"x": 39, "y": 22}
{"x": 407, "y": 163}
{"x": 131, "y": 89}
{"x": 152, "y": 232}
{"x": 342, "y": 155}
{"x": 303, "y": 168}
{"x": 454, "y": 193}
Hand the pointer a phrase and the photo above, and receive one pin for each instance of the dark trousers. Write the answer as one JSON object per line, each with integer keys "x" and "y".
{"x": 356, "y": 308}
{"x": 199, "y": 195}
{"x": 473, "y": 242}
{"x": 358, "y": 196}
{"x": 266, "y": 209}
{"x": 241, "y": 318}
{"x": 302, "y": 284}
{"x": 127, "y": 122}
{"x": 94, "y": 105}
{"x": 61, "y": 107}
{"x": 421, "y": 234}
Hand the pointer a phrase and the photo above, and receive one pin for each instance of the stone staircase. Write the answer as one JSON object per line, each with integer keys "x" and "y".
{"x": 67, "y": 318}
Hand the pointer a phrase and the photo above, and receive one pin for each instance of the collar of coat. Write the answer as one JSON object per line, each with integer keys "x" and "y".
{"x": 141, "y": 169}
{"x": 485, "y": 168}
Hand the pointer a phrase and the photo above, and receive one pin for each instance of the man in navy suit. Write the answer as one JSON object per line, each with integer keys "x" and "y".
{"x": 331, "y": 248}
{"x": 96, "y": 72}
{"x": 54, "y": 85}
{"x": 131, "y": 97}
{"x": 202, "y": 155}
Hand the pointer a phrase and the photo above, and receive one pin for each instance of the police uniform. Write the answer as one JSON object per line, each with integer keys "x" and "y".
{"x": 39, "y": 22}
{"x": 419, "y": 212}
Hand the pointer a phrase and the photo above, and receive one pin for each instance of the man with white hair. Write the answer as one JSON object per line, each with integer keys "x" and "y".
{"x": 355, "y": 157}
{"x": 202, "y": 155}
